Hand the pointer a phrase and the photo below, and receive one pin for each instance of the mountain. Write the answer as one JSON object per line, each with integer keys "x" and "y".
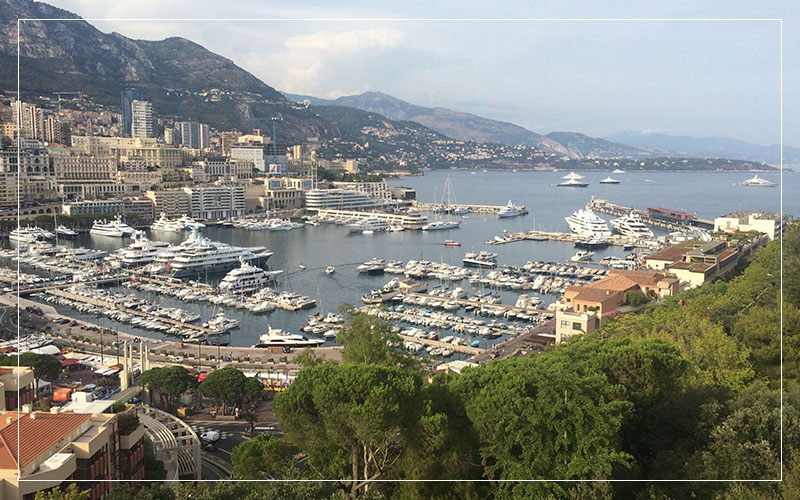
{"x": 715, "y": 147}
{"x": 180, "y": 77}
{"x": 583, "y": 146}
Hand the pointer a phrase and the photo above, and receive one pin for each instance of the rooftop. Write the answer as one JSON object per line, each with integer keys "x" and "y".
{"x": 671, "y": 254}
{"x": 614, "y": 283}
{"x": 35, "y": 435}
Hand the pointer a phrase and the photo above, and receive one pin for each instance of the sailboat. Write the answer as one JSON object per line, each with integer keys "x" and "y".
{"x": 449, "y": 200}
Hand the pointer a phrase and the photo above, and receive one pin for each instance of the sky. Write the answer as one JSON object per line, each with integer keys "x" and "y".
{"x": 700, "y": 78}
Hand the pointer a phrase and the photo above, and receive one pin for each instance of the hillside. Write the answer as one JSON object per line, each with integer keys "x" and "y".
{"x": 583, "y": 146}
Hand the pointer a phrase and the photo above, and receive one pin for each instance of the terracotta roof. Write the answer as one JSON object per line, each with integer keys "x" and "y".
{"x": 695, "y": 267}
{"x": 594, "y": 294}
{"x": 4, "y": 371}
{"x": 35, "y": 435}
{"x": 671, "y": 254}
{"x": 613, "y": 283}
{"x": 640, "y": 277}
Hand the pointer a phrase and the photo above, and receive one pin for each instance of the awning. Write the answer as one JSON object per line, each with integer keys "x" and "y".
{"x": 69, "y": 361}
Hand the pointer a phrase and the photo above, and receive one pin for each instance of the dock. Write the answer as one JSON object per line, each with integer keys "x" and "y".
{"x": 478, "y": 209}
{"x": 477, "y": 304}
{"x": 65, "y": 284}
{"x": 406, "y": 221}
{"x": 606, "y": 207}
{"x": 463, "y": 349}
{"x": 615, "y": 239}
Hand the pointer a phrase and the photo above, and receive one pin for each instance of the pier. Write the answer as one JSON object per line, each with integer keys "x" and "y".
{"x": 406, "y": 221}
{"x": 478, "y": 305}
{"x": 54, "y": 286}
{"x": 606, "y": 207}
{"x": 463, "y": 349}
{"x": 615, "y": 239}
{"x": 478, "y": 209}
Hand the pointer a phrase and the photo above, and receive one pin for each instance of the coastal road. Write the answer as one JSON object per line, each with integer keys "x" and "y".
{"x": 512, "y": 345}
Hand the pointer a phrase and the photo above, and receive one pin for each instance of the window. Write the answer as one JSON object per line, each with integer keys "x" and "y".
{"x": 576, "y": 326}
{"x": 564, "y": 323}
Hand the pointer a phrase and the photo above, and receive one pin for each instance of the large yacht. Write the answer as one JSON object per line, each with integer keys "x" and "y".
{"x": 483, "y": 260}
{"x": 126, "y": 229}
{"x": 279, "y": 338}
{"x": 610, "y": 180}
{"x": 573, "y": 180}
{"x": 247, "y": 278}
{"x": 757, "y": 182}
{"x": 105, "y": 228}
{"x": 370, "y": 224}
{"x": 188, "y": 223}
{"x": 29, "y": 234}
{"x": 198, "y": 255}
{"x": 633, "y": 226}
{"x": 65, "y": 232}
{"x": 441, "y": 224}
{"x": 509, "y": 210}
{"x": 139, "y": 253}
{"x": 585, "y": 223}
{"x": 166, "y": 225}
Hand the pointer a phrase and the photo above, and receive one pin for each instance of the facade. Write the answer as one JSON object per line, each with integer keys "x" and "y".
{"x": 141, "y": 119}
{"x": 144, "y": 150}
{"x": 84, "y": 168}
{"x": 55, "y": 449}
{"x": 128, "y": 96}
{"x": 141, "y": 207}
{"x": 212, "y": 169}
{"x": 32, "y": 161}
{"x": 93, "y": 207}
{"x": 695, "y": 262}
{"x": 340, "y": 199}
{"x": 192, "y": 134}
{"x": 767, "y": 223}
{"x": 252, "y": 153}
{"x": 139, "y": 180}
{"x": 228, "y": 139}
{"x": 376, "y": 190}
{"x": 16, "y": 387}
{"x": 216, "y": 202}
{"x": 31, "y": 120}
{"x": 56, "y": 131}
{"x": 172, "y": 202}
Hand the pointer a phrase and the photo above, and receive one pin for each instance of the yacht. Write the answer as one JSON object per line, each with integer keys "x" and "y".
{"x": 247, "y": 278}
{"x": 139, "y": 253}
{"x": 633, "y": 226}
{"x": 221, "y": 324}
{"x": 757, "y": 182}
{"x": 460, "y": 211}
{"x": 585, "y": 223}
{"x": 618, "y": 171}
{"x": 373, "y": 266}
{"x": 581, "y": 255}
{"x": 593, "y": 242}
{"x": 330, "y": 270}
{"x": 126, "y": 229}
{"x": 279, "y": 338}
{"x": 370, "y": 224}
{"x": 483, "y": 260}
{"x": 188, "y": 223}
{"x": 441, "y": 224}
{"x": 86, "y": 253}
{"x": 508, "y": 211}
{"x": 166, "y": 225}
{"x": 29, "y": 234}
{"x": 573, "y": 180}
{"x": 610, "y": 180}
{"x": 65, "y": 232}
{"x": 198, "y": 255}
{"x": 105, "y": 228}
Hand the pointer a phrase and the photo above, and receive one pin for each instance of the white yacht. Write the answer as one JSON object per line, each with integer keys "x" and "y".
{"x": 585, "y": 223}
{"x": 757, "y": 182}
{"x": 139, "y": 253}
{"x": 633, "y": 226}
{"x": 105, "y": 228}
{"x": 247, "y": 278}
{"x": 573, "y": 180}
{"x": 618, "y": 171}
{"x": 370, "y": 224}
{"x": 166, "y": 225}
{"x": 581, "y": 255}
{"x": 65, "y": 232}
{"x": 484, "y": 259}
{"x": 221, "y": 324}
{"x": 29, "y": 234}
{"x": 460, "y": 211}
{"x": 610, "y": 180}
{"x": 509, "y": 210}
{"x": 188, "y": 223}
{"x": 441, "y": 224}
{"x": 86, "y": 253}
{"x": 198, "y": 255}
{"x": 279, "y": 338}
{"x": 126, "y": 229}
{"x": 373, "y": 266}
{"x": 330, "y": 270}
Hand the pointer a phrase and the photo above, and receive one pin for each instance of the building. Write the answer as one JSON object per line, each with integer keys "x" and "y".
{"x": 30, "y": 118}
{"x": 668, "y": 215}
{"x": 192, "y": 134}
{"x": 270, "y": 159}
{"x": 141, "y": 119}
{"x": 403, "y": 193}
{"x": 216, "y": 202}
{"x": 93, "y": 207}
{"x": 9, "y": 130}
{"x": 172, "y": 202}
{"x": 211, "y": 169}
{"x": 141, "y": 207}
{"x": 56, "y": 131}
{"x": 771, "y": 224}
{"x": 55, "y": 449}
{"x": 376, "y": 190}
{"x": 340, "y": 199}
{"x": 128, "y": 96}
{"x": 135, "y": 180}
{"x": 84, "y": 168}
{"x": 16, "y": 387}
{"x": 695, "y": 262}
{"x": 144, "y": 150}
{"x": 32, "y": 161}
{"x": 228, "y": 139}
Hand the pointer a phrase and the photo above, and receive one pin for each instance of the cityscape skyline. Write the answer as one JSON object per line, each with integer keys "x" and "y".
{"x": 705, "y": 79}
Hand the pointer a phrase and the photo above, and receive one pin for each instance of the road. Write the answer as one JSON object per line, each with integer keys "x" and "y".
{"x": 512, "y": 345}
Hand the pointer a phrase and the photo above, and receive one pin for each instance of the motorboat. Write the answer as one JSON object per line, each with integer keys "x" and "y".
{"x": 330, "y": 270}
{"x": 452, "y": 243}
{"x": 610, "y": 180}
{"x": 372, "y": 266}
{"x": 126, "y": 229}
{"x": 510, "y": 210}
{"x": 105, "y": 228}
{"x": 582, "y": 255}
{"x": 369, "y": 224}
{"x": 199, "y": 255}
{"x": 573, "y": 180}
{"x": 65, "y": 232}
{"x": 618, "y": 171}
{"x": 188, "y": 223}
{"x": 139, "y": 253}
{"x": 632, "y": 225}
{"x": 166, "y": 225}
{"x": 29, "y": 234}
{"x": 247, "y": 278}
{"x": 592, "y": 243}
{"x": 278, "y": 338}
{"x": 483, "y": 259}
{"x": 756, "y": 181}
{"x": 586, "y": 223}
{"x": 441, "y": 224}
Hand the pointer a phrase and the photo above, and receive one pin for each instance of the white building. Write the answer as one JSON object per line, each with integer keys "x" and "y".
{"x": 764, "y": 222}
{"x": 216, "y": 202}
{"x": 262, "y": 158}
{"x": 192, "y": 134}
{"x": 141, "y": 119}
{"x": 340, "y": 199}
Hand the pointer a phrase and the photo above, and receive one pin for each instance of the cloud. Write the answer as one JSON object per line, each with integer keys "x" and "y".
{"x": 349, "y": 41}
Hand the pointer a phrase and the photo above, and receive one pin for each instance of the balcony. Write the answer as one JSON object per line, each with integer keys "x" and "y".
{"x": 129, "y": 441}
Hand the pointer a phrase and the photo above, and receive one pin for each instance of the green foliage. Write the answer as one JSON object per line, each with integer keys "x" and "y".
{"x": 153, "y": 467}
{"x": 227, "y": 385}
{"x": 168, "y": 382}
{"x": 258, "y": 491}
{"x": 367, "y": 339}
{"x": 264, "y": 457}
{"x": 253, "y": 389}
{"x": 149, "y": 492}
{"x": 127, "y": 422}
{"x": 635, "y": 298}
{"x": 308, "y": 357}
{"x": 72, "y": 493}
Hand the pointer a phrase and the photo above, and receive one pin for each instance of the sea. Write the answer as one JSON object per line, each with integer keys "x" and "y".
{"x": 706, "y": 194}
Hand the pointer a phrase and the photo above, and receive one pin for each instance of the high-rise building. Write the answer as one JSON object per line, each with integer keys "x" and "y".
{"x": 128, "y": 96}
{"x": 56, "y": 131}
{"x": 141, "y": 119}
{"x": 31, "y": 120}
{"x": 192, "y": 134}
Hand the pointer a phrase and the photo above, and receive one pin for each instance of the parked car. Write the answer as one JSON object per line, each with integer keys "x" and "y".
{"x": 209, "y": 436}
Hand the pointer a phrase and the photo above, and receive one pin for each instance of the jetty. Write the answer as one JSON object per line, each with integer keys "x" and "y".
{"x": 463, "y": 349}
{"x": 654, "y": 216}
{"x": 479, "y": 209}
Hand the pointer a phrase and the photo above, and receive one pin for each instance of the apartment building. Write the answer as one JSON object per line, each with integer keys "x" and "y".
{"x": 172, "y": 202}
{"x": 81, "y": 168}
{"x": 93, "y": 207}
{"x": 141, "y": 119}
{"x": 16, "y": 387}
{"x": 695, "y": 262}
{"x": 768, "y": 223}
{"x": 216, "y": 202}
